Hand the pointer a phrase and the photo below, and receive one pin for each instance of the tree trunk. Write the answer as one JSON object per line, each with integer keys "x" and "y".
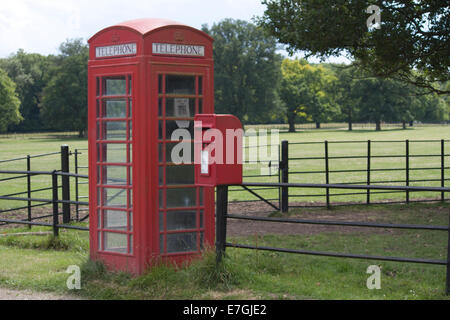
{"x": 378, "y": 125}
{"x": 404, "y": 124}
{"x": 317, "y": 125}
{"x": 291, "y": 124}
{"x": 82, "y": 133}
{"x": 350, "y": 121}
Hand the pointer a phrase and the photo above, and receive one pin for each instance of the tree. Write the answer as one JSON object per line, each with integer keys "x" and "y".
{"x": 64, "y": 103}
{"x": 305, "y": 92}
{"x": 344, "y": 95}
{"x": 412, "y": 44}
{"x": 246, "y": 71}
{"x": 28, "y": 71}
{"x": 9, "y": 102}
{"x": 383, "y": 100}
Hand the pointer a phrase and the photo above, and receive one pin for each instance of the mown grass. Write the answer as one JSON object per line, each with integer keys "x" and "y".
{"x": 251, "y": 274}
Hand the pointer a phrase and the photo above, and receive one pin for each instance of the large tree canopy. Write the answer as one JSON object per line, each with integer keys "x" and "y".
{"x": 412, "y": 44}
{"x": 64, "y": 104}
{"x": 9, "y": 103}
{"x": 246, "y": 70}
{"x": 28, "y": 71}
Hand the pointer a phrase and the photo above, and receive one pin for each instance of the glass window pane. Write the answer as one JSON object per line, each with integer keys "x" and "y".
{"x": 182, "y": 242}
{"x": 178, "y": 84}
{"x": 182, "y": 174}
{"x": 161, "y": 175}
{"x": 115, "y": 175}
{"x": 130, "y": 227}
{"x": 160, "y": 129}
{"x": 116, "y": 130}
{"x": 201, "y": 219}
{"x": 114, "y": 86}
{"x": 184, "y": 197}
{"x": 131, "y": 245}
{"x": 99, "y": 239}
{"x": 180, "y": 107}
{"x": 130, "y": 106}
{"x": 130, "y": 132}
{"x": 202, "y": 239}
{"x": 160, "y": 107}
{"x": 161, "y": 152}
{"x": 172, "y": 125}
{"x": 200, "y": 105}
{"x": 129, "y": 86}
{"x": 115, "y": 198}
{"x": 200, "y": 85}
{"x": 115, "y": 153}
{"x": 161, "y": 243}
{"x": 115, "y": 109}
{"x": 201, "y": 191}
{"x": 181, "y": 152}
{"x": 115, "y": 220}
{"x": 180, "y": 220}
{"x": 115, "y": 242}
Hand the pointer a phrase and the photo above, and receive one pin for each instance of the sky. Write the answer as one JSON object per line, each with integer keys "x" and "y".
{"x": 41, "y": 26}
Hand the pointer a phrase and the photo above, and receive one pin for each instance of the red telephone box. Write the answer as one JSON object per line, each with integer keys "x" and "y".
{"x": 147, "y": 78}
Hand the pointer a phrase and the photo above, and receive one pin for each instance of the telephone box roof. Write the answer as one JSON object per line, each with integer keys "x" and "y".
{"x": 148, "y": 25}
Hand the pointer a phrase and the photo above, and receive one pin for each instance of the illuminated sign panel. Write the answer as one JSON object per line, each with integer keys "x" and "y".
{"x": 178, "y": 49}
{"x": 116, "y": 50}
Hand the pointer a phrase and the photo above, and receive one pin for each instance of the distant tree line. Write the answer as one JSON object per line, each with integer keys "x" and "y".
{"x": 252, "y": 81}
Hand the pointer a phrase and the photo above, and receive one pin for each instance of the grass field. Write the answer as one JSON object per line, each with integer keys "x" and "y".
{"x": 12, "y": 146}
{"x": 39, "y": 263}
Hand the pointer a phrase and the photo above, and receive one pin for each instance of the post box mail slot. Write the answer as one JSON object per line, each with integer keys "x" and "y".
{"x": 218, "y": 149}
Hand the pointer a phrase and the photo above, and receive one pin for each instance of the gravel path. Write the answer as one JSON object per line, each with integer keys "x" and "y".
{"x": 8, "y": 294}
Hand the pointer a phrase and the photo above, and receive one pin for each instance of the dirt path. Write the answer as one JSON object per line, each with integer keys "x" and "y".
{"x": 8, "y": 294}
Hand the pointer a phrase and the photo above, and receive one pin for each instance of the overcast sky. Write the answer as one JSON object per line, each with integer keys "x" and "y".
{"x": 40, "y": 26}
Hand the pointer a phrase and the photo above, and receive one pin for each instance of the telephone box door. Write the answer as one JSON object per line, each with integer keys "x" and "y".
{"x": 185, "y": 211}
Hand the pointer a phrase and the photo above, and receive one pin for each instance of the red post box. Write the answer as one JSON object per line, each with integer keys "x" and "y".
{"x": 147, "y": 78}
{"x": 218, "y": 149}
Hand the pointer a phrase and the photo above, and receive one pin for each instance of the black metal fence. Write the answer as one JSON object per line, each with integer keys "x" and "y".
{"x": 56, "y": 203}
{"x": 401, "y": 164}
{"x": 222, "y": 216}
{"x": 47, "y": 191}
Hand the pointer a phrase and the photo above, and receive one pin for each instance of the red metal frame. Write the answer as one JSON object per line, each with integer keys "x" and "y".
{"x": 143, "y": 208}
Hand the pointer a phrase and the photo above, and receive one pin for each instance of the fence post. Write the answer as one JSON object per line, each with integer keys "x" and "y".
{"x": 55, "y": 203}
{"x": 407, "y": 169}
{"x": 29, "y": 188}
{"x": 284, "y": 166}
{"x": 442, "y": 168}
{"x": 221, "y": 221}
{"x": 369, "y": 152}
{"x": 327, "y": 173}
{"x": 65, "y": 183}
{"x": 447, "y": 284}
{"x": 77, "y": 207}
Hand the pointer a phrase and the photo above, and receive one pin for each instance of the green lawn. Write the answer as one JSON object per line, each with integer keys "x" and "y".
{"x": 40, "y": 262}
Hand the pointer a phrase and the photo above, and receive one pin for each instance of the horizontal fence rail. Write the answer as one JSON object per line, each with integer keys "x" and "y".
{"x": 34, "y": 202}
{"x": 222, "y": 216}
{"x": 55, "y": 201}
